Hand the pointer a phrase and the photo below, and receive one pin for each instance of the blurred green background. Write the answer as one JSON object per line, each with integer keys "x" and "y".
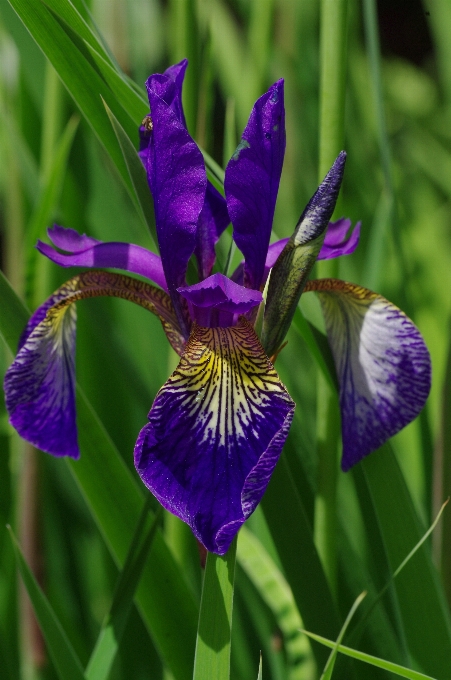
{"x": 397, "y": 182}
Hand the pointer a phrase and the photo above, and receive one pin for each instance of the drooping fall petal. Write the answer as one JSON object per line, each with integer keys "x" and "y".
{"x": 215, "y": 433}
{"x": 252, "y": 181}
{"x": 382, "y": 363}
{"x": 40, "y": 383}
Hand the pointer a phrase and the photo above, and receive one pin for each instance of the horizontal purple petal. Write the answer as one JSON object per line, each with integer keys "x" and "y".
{"x": 178, "y": 182}
{"x": 215, "y": 433}
{"x": 220, "y": 294}
{"x": 69, "y": 239}
{"x": 336, "y": 242}
{"x": 126, "y": 256}
{"x": 252, "y": 181}
{"x": 382, "y": 363}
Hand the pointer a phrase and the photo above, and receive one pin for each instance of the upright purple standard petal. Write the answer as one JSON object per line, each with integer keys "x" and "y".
{"x": 213, "y": 219}
{"x": 382, "y": 363}
{"x": 126, "y": 256}
{"x": 177, "y": 179}
{"x": 215, "y": 433}
{"x": 252, "y": 181}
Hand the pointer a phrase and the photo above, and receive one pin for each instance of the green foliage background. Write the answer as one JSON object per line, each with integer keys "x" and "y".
{"x": 60, "y": 161}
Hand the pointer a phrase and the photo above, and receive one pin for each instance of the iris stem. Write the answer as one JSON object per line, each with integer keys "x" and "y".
{"x": 212, "y": 659}
{"x": 333, "y": 50}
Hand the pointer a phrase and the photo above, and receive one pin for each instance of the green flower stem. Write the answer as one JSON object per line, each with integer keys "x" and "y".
{"x": 212, "y": 658}
{"x": 333, "y": 43}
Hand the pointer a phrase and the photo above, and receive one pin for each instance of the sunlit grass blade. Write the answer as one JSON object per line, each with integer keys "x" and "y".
{"x": 400, "y": 529}
{"x": 42, "y": 214}
{"x": 78, "y": 75}
{"x": 212, "y": 658}
{"x": 260, "y": 669}
{"x": 141, "y": 195}
{"x": 276, "y": 593}
{"x": 329, "y": 667}
{"x": 292, "y": 535}
{"x": 357, "y": 631}
{"x": 115, "y": 501}
{"x": 135, "y": 105}
{"x": 66, "y": 662}
{"x": 110, "y": 636}
{"x": 373, "y": 660}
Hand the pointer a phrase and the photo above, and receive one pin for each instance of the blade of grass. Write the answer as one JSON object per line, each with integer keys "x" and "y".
{"x": 400, "y": 529}
{"x": 66, "y": 662}
{"x": 110, "y": 636}
{"x": 43, "y": 211}
{"x": 142, "y": 196}
{"x": 212, "y": 658}
{"x": 372, "y": 660}
{"x": 78, "y": 75}
{"x": 293, "y": 539}
{"x": 329, "y": 667}
{"x": 276, "y": 593}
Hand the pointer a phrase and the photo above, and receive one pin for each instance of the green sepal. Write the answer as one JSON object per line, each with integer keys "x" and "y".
{"x": 292, "y": 268}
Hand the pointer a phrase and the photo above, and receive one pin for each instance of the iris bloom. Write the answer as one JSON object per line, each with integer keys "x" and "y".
{"x": 217, "y": 427}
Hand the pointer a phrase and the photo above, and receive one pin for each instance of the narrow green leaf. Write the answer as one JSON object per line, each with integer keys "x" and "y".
{"x": 276, "y": 593}
{"x": 372, "y": 660}
{"x": 429, "y": 643}
{"x": 47, "y": 201}
{"x": 110, "y": 636}
{"x": 78, "y": 75}
{"x": 292, "y": 536}
{"x": 66, "y": 662}
{"x": 318, "y": 346}
{"x": 141, "y": 195}
{"x": 212, "y": 658}
{"x": 165, "y": 600}
{"x": 260, "y": 669}
{"x": 136, "y": 106}
{"x": 328, "y": 670}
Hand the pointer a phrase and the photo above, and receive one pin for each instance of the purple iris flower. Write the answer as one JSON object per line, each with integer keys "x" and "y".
{"x": 217, "y": 427}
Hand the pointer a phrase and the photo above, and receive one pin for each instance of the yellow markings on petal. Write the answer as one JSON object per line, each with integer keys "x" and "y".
{"x": 232, "y": 378}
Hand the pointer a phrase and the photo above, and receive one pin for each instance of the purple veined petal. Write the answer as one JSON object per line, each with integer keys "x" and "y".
{"x": 213, "y": 219}
{"x": 126, "y": 256}
{"x": 40, "y": 383}
{"x": 219, "y": 294}
{"x": 382, "y": 363}
{"x": 69, "y": 239}
{"x": 252, "y": 181}
{"x": 178, "y": 182}
{"x": 215, "y": 433}
{"x": 336, "y": 242}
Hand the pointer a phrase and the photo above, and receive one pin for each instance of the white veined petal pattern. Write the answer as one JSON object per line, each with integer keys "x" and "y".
{"x": 215, "y": 432}
{"x": 382, "y": 363}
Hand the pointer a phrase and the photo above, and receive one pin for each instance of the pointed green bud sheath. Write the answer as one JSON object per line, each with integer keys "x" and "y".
{"x": 290, "y": 272}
